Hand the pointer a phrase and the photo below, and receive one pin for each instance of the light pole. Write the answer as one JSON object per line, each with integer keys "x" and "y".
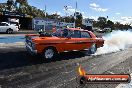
{"x": 45, "y": 18}
{"x": 66, "y": 8}
{"x": 106, "y": 21}
{"x": 75, "y": 15}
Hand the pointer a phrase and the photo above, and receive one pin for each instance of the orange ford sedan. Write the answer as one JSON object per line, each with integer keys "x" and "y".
{"x": 64, "y": 40}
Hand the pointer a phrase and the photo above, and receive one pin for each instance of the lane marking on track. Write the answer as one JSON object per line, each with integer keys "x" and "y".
{"x": 129, "y": 85}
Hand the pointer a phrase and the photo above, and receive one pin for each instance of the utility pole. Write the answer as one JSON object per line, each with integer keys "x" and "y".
{"x": 106, "y": 21}
{"x": 75, "y": 15}
{"x": 66, "y": 8}
{"x": 45, "y": 18}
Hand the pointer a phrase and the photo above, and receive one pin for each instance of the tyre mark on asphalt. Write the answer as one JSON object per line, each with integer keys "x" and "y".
{"x": 69, "y": 74}
{"x": 110, "y": 64}
{"x": 93, "y": 70}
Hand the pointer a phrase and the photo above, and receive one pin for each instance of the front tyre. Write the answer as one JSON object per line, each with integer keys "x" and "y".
{"x": 49, "y": 53}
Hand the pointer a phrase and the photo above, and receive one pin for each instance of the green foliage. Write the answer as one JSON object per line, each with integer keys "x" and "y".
{"x": 78, "y": 19}
{"x": 24, "y": 7}
{"x": 110, "y": 24}
{"x": 103, "y": 23}
{"x": 10, "y": 3}
{"x": 117, "y": 26}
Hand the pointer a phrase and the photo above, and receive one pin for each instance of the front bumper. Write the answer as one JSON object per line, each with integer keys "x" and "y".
{"x": 30, "y": 50}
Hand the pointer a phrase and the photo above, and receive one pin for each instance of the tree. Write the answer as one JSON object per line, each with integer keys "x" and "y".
{"x": 22, "y": 1}
{"x": 72, "y": 19}
{"x": 95, "y": 24}
{"x": 102, "y": 22}
{"x": 102, "y": 19}
{"x": 110, "y": 24}
{"x": 10, "y": 4}
{"x": 78, "y": 19}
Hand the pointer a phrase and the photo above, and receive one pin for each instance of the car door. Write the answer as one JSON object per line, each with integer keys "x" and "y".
{"x": 6, "y": 27}
{"x": 72, "y": 42}
{"x": 67, "y": 41}
{"x": 2, "y": 27}
{"x": 76, "y": 40}
{"x": 81, "y": 40}
{"x": 86, "y": 39}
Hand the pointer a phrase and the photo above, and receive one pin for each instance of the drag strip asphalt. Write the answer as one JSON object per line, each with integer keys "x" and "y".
{"x": 19, "y": 69}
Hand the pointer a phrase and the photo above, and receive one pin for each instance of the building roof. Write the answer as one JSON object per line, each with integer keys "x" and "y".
{"x": 2, "y": 6}
{"x": 47, "y": 19}
{"x": 3, "y": 3}
{"x": 75, "y": 29}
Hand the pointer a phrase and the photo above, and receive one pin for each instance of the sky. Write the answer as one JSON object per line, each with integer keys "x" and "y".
{"x": 116, "y": 10}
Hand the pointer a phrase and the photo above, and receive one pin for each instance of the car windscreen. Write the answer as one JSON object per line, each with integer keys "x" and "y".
{"x": 14, "y": 23}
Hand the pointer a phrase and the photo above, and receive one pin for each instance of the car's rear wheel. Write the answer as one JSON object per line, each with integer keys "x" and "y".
{"x": 49, "y": 53}
{"x": 9, "y": 31}
{"x": 93, "y": 49}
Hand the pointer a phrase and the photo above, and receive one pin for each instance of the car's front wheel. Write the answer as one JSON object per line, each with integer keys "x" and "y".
{"x": 9, "y": 31}
{"x": 49, "y": 53}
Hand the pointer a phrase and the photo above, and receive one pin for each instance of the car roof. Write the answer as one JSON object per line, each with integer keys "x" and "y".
{"x": 75, "y": 29}
{"x": 3, "y": 22}
{"x": 14, "y": 22}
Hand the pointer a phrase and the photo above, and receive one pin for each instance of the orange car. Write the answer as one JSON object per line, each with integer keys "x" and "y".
{"x": 64, "y": 40}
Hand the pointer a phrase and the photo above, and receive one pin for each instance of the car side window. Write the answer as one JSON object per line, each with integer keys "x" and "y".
{"x": 85, "y": 34}
{"x": 65, "y": 33}
{"x": 2, "y": 24}
{"x": 76, "y": 34}
{"x": 6, "y": 24}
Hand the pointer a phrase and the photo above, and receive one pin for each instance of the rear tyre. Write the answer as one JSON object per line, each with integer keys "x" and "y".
{"x": 49, "y": 53}
{"x": 9, "y": 31}
{"x": 93, "y": 49}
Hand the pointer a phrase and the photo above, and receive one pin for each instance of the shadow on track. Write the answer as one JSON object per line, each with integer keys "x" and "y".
{"x": 13, "y": 58}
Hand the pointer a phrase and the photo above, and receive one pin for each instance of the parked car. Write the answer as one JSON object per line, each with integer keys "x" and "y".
{"x": 69, "y": 39}
{"x": 105, "y": 30}
{"x": 8, "y": 28}
{"x": 15, "y": 24}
